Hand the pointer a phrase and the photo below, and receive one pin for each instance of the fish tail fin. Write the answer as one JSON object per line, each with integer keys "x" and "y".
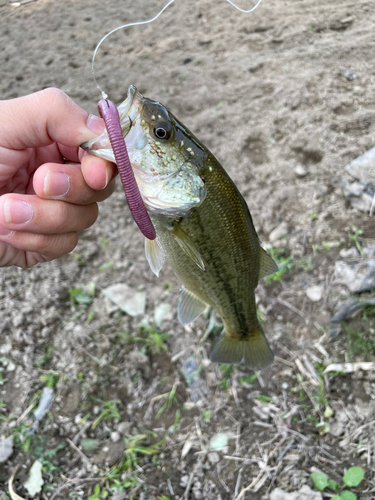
{"x": 254, "y": 349}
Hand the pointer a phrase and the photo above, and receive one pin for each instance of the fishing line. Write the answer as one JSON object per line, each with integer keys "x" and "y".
{"x": 139, "y": 23}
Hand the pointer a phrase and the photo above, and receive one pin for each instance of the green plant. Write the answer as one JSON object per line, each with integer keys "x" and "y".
{"x": 82, "y": 296}
{"x": 50, "y": 378}
{"x": 98, "y": 494}
{"x": 152, "y": 340}
{"x": 351, "y": 478}
{"x": 359, "y": 344}
{"x": 134, "y": 447}
{"x": 227, "y": 370}
{"x": 169, "y": 398}
{"x": 264, "y": 399}
{"x": 107, "y": 411}
{"x": 284, "y": 263}
{"x": 249, "y": 379}
{"x": 355, "y": 237}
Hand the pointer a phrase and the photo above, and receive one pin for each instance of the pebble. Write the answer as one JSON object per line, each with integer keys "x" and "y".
{"x": 127, "y": 299}
{"x": 300, "y": 171}
{"x": 279, "y": 232}
{"x": 6, "y": 449}
{"x": 305, "y": 493}
{"x": 115, "y": 436}
{"x": 184, "y": 480}
{"x": 214, "y": 457}
{"x": 315, "y": 293}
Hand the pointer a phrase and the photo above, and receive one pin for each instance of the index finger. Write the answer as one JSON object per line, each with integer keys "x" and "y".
{"x": 45, "y": 117}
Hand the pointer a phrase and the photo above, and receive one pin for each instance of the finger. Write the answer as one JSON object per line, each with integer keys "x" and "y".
{"x": 32, "y": 214}
{"x": 96, "y": 171}
{"x": 66, "y": 182}
{"x": 47, "y": 116}
{"x": 46, "y": 246}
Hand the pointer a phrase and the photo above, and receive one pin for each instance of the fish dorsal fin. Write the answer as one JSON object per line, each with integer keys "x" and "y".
{"x": 267, "y": 264}
{"x": 154, "y": 255}
{"x": 189, "y": 307}
{"x": 188, "y": 246}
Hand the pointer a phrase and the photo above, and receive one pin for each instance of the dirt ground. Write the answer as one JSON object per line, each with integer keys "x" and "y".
{"x": 285, "y": 99}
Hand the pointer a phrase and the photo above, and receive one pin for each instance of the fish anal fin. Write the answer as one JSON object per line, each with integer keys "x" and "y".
{"x": 267, "y": 264}
{"x": 188, "y": 246}
{"x": 189, "y": 307}
{"x": 154, "y": 255}
{"x": 254, "y": 350}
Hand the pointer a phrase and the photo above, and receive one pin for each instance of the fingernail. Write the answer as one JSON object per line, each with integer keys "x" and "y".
{"x": 17, "y": 212}
{"x": 95, "y": 124}
{"x": 56, "y": 184}
{"x": 4, "y": 231}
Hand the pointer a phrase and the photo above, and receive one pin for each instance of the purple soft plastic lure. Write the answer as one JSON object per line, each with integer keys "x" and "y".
{"x": 108, "y": 111}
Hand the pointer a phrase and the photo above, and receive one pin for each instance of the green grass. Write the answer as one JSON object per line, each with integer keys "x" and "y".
{"x": 283, "y": 261}
{"x": 152, "y": 340}
{"x": 108, "y": 411}
{"x": 359, "y": 344}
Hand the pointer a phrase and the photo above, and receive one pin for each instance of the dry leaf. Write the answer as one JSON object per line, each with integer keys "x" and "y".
{"x": 350, "y": 367}
{"x": 13, "y": 494}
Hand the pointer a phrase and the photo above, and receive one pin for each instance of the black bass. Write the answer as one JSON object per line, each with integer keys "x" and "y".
{"x": 203, "y": 226}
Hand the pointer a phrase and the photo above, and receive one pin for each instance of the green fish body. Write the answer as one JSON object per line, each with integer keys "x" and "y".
{"x": 203, "y": 226}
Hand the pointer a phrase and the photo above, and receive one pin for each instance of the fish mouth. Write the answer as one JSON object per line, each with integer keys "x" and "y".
{"x": 128, "y": 111}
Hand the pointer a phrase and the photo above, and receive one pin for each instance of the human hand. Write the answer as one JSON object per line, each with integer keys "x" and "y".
{"x": 46, "y": 196}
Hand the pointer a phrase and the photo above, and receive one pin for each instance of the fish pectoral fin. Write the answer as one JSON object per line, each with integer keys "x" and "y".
{"x": 254, "y": 349}
{"x": 189, "y": 307}
{"x": 188, "y": 246}
{"x": 154, "y": 255}
{"x": 267, "y": 264}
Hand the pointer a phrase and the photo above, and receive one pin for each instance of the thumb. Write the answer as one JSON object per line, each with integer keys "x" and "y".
{"x": 45, "y": 117}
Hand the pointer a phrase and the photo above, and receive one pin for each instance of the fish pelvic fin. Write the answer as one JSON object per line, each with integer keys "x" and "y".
{"x": 188, "y": 246}
{"x": 254, "y": 349}
{"x": 154, "y": 255}
{"x": 267, "y": 264}
{"x": 189, "y": 306}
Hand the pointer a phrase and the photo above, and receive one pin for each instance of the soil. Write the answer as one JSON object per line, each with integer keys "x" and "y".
{"x": 284, "y": 98}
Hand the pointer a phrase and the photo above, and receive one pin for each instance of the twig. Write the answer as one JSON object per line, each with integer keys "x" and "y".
{"x": 69, "y": 482}
{"x": 85, "y": 460}
{"x": 238, "y": 482}
{"x": 254, "y": 481}
{"x": 287, "y": 304}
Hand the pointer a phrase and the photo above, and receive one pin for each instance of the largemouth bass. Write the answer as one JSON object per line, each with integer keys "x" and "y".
{"x": 203, "y": 226}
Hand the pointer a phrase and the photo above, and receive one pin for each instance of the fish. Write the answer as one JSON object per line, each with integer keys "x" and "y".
{"x": 203, "y": 226}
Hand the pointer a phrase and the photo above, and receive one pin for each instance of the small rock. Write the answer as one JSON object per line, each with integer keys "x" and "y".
{"x": 279, "y": 232}
{"x": 359, "y": 195}
{"x": 119, "y": 495}
{"x": 363, "y": 167}
{"x": 218, "y": 441}
{"x": 348, "y": 253}
{"x": 213, "y": 457}
{"x": 124, "y": 427}
{"x": 305, "y": 493}
{"x": 89, "y": 445}
{"x": 139, "y": 360}
{"x": 115, "y": 436}
{"x": 6, "y": 449}
{"x": 315, "y": 293}
{"x": 337, "y": 428}
{"x": 300, "y": 171}
{"x": 184, "y": 480}
{"x": 161, "y": 313}
{"x": 18, "y": 319}
{"x": 128, "y": 300}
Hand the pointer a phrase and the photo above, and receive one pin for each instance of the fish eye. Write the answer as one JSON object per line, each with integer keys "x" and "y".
{"x": 162, "y": 131}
